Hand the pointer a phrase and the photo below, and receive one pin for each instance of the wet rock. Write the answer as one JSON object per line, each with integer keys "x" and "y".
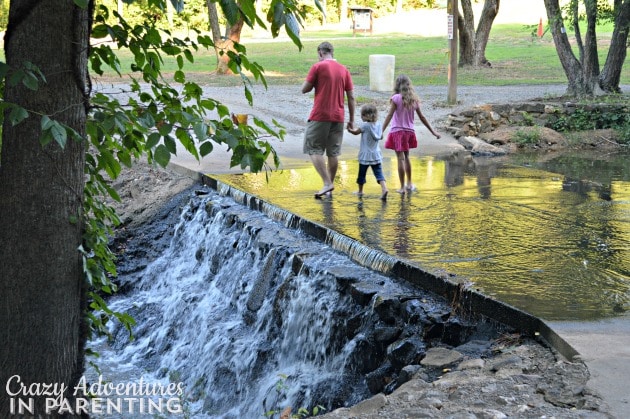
{"x": 386, "y": 334}
{"x": 388, "y": 308}
{"x": 405, "y": 352}
{"x": 363, "y": 292}
{"x": 365, "y": 356}
{"x": 413, "y": 312}
{"x": 379, "y": 378}
{"x": 261, "y": 285}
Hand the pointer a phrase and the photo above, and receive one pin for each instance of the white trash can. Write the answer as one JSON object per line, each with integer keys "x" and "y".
{"x": 382, "y": 68}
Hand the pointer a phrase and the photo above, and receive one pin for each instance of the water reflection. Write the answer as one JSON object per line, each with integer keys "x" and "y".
{"x": 550, "y": 236}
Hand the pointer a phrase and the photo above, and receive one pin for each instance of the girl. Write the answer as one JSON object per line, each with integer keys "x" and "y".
{"x": 369, "y": 151}
{"x": 402, "y": 135}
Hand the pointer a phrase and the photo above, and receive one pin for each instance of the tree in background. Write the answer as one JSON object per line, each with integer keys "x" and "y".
{"x": 280, "y": 13}
{"x": 61, "y": 138}
{"x": 583, "y": 72}
{"x": 473, "y": 42}
{"x": 610, "y": 75}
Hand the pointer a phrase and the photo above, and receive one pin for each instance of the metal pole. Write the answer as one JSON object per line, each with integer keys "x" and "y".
{"x": 452, "y": 10}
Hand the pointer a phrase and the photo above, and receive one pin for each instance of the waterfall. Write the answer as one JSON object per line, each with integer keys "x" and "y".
{"x": 252, "y": 316}
{"x": 223, "y": 311}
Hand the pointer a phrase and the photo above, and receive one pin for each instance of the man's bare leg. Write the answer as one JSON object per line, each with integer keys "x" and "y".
{"x": 324, "y": 171}
{"x": 333, "y": 164}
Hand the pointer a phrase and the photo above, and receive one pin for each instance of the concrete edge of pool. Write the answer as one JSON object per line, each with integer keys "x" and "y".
{"x": 473, "y": 301}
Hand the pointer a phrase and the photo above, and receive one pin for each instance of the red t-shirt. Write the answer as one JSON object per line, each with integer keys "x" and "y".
{"x": 331, "y": 81}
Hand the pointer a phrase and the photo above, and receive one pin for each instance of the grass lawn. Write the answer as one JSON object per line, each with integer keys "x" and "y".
{"x": 517, "y": 57}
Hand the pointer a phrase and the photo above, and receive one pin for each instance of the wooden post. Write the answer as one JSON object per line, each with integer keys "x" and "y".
{"x": 452, "y": 10}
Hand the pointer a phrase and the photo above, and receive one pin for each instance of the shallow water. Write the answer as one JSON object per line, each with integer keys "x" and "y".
{"x": 548, "y": 234}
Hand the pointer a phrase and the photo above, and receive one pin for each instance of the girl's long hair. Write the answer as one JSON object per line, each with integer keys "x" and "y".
{"x": 405, "y": 89}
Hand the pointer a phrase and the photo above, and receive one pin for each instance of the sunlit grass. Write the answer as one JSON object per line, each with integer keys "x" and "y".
{"x": 517, "y": 56}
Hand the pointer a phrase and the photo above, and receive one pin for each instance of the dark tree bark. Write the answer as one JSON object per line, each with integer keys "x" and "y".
{"x": 577, "y": 86}
{"x": 41, "y": 195}
{"x": 583, "y": 74}
{"x": 575, "y": 23}
{"x": 473, "y": 42}
{"x": 590, "y": 61}
{"x": 610, "y": 75}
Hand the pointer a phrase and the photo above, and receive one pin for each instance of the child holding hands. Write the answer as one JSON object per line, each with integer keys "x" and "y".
{"x": 369, "y": 151}
{"x": 402, "y": 135}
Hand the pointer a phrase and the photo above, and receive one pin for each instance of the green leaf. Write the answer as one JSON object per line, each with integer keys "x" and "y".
{"x": 201, "y": 131}
{"x": 81, "y": 3}
{"x": 100, "y": 31}
{"x": 124, "y": 157}
{"x": 178, "y": 5}
{"x": 205, "y": 148}
{"x": 184, "y": 138}
{"x": 230, "y": 10}
{"x": 162, "y": 156}
{"x": 189, "y": 56}
{"x": 17, "y": 115}
{"x": 179, "y": 76}
{"x": 153, "y": 140}
{"x": 164, "y": 129}
{"x": 170, "y": 144}
{"x": 108, "y": 162}
{"x": 293, "y": 30}
{"x": 46, "y": 122}
{"x": 15, "y": 77}
{"x": 53, "y": 130}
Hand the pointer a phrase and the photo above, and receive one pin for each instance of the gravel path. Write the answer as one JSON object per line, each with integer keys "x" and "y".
{"x": 287, "y": 105}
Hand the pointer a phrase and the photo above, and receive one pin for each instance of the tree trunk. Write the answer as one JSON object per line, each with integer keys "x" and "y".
{"x": 571, "y": 65}
{"x": 213, "y": 20}
{"x": 234, "y": 35}
{"x": 472, "y": 43}
{"x": 466, "y": 31}
{"x": 590, "y": 63}
{"x": 41, "y": 195}
{"x": 610, "y": 75}
{"x": 575, "y": 23}
{"x": 489, "y": 12}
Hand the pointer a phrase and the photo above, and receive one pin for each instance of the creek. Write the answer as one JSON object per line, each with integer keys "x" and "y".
{"x": 549, "y": 234}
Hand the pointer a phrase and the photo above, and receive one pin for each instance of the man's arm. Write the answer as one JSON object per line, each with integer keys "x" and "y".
{"x": 351, "y": 107}
{"x": 307, "y": 87}
{"x": 353, "y": 130}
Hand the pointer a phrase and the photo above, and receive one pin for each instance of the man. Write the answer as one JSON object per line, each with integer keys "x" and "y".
{"x": 324, "y": 132}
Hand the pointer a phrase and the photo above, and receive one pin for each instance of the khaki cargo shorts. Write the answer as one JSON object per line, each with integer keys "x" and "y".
{"x": 323, "y": 137}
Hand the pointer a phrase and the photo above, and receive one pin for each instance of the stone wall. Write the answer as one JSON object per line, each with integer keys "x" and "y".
{"x": 490, "y": 128}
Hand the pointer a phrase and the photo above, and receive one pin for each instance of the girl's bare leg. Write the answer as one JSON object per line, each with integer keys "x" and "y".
{"x": 410, "y": 185}
{"x": 400, "y": 156}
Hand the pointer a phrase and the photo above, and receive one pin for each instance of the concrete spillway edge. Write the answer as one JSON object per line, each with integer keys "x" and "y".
{"x": 467, "y": 299}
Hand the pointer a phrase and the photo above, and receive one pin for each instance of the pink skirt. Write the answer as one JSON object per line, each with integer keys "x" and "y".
{"x": 401, "y": 140}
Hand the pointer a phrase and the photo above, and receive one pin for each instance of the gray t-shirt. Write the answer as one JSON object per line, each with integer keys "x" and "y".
{"x": 370, "y": 151}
